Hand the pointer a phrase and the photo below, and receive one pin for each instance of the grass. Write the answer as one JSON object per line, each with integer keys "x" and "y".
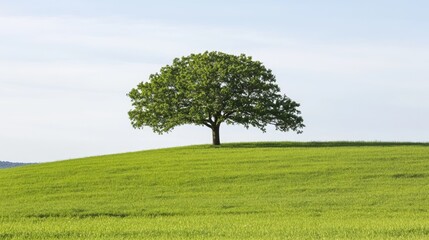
{"x": 281, "y": 190}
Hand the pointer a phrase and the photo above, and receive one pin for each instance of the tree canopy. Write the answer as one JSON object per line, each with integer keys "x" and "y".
{"x": 209, "y": 89}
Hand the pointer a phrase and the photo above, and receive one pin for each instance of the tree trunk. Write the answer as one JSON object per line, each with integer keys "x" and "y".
{"x": 215, "y": 135}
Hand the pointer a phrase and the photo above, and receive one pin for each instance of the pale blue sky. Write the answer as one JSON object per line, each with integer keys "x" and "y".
{"x": 359, "y": 69}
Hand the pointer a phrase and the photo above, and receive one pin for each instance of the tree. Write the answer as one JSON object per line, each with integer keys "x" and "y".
{"x": 209, "y": 89}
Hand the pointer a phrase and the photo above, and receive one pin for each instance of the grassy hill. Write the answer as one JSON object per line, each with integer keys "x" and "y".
{"x": 276, "y": 190}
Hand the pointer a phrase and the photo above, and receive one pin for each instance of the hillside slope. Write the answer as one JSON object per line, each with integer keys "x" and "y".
{"x": 247, "y": 191}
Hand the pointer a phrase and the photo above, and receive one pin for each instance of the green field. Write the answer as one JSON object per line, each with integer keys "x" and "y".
{"x": 341, "y": 190}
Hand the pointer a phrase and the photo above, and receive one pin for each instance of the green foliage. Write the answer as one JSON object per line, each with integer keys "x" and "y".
{"x": 211, "y": 88}
{"x": 338, "y": 190}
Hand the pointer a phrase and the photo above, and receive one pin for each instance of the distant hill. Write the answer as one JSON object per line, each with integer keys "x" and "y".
{"x": 10, "y": 164}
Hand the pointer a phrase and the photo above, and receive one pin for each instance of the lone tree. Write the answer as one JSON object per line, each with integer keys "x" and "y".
{"x": 210, "y": 88}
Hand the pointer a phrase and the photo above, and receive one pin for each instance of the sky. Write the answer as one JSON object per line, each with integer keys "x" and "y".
{"x": 359, "y": 69}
